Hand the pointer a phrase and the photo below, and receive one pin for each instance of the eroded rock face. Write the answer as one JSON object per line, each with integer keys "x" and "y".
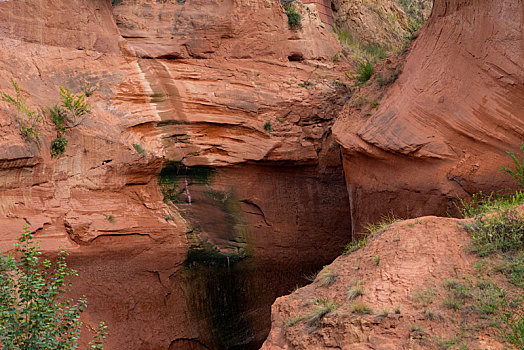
{"x": 443, "y": 129}
{"x": 398, "y": 276}
{"x": 204, "y": 175}
{"x": 381, "y": 23}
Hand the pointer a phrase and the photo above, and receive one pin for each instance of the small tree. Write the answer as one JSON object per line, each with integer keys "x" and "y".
{"x": 71, "y": 112}
{"x": 27, "y": 118}
{"x": 73, "y": 109}
{"x": 34, "y": 315}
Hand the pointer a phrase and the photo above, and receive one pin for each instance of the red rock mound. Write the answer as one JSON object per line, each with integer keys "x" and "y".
{"x": 399, "y": 275}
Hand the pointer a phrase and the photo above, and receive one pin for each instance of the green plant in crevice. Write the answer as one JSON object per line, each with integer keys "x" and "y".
{"x": 138, "y": 148}
{"x": 267, "y": 126}
{"x": 382, "y": 224}
{"x": 294, "y": 19}
{"x": 305, "y": 84}
{"x": 34, "y": 315}
{"x": 75, "y": 107}
{"x": 26, "y": 118}
{"x": 68, "y": 114}
{"x": 89, "y": 88}
{"x": 518, "y": 171}
{"x": 364, "y": 72}
{"x": 58, "y": 146}
{"x": 376, "y": 260}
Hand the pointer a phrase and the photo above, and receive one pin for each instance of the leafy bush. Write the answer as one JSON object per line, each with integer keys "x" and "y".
{"x": 518, "y": 173}
{"x": 33, "y": 313}
{"x": 71, "y": 112}
{"x": 89, "y": 88}
{"x": 58, "y": 146}
{"x": 482, "y": 204}
{"x": 512, "y": 321}
{"x": 74, "y": 108}
{"x": 294, "y": 19}
{"x": 27, "y": 119}
{"x": 58, "y": 116}
{"x": 500, "y": 232}
{"x": 267, "y": 126}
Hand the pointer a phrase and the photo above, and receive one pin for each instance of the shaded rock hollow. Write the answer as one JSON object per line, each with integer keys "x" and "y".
{"x": 176, "y": 203}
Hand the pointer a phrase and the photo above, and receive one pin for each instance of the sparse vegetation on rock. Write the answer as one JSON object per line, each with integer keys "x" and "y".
{"x": 58, "y": 146}
{"x": 294, "y": 19}
{"x": 27, "y": 118}
{"x": 34, "y": 315}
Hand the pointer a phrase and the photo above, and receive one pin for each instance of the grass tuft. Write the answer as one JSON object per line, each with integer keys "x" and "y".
{"x": 355, "y": 289}
{"x": 326, "y": 277}
{"x": 360, "y": 308}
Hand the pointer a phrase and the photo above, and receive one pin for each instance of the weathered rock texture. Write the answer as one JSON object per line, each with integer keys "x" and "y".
{"x": 381, "y": 22}
{"x": 399, "y": 274}
{"x": 444, "y": 127}
{"x": 204, "y": 174}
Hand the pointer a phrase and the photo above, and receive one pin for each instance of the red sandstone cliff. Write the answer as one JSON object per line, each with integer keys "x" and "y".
{"x": 444, "y": 127}
{"x": 194, "y": 84}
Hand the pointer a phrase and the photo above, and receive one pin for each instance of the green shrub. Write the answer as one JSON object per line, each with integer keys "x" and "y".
{"x": 482, "y": 204}
{"x": 518, "y": 172}
{"x": 267, "y": 126}
{"x": 499, "y": 232}
{"x": 376, "y": 260}
{"x": 364, "y": 71}
{"x": 294, "y": 19}
{"x": 58, "y": 146}
{"x": 512, "y": 321}
{"x": 305, "y": 84}
{"x": 27, "y": 119}
{"x": 89, "y": 88}
{"x": 354, "y": 246}
{"x": 74, "y": 108}
{"x": 33, "y": 311}
{"x": 59, "y": 118}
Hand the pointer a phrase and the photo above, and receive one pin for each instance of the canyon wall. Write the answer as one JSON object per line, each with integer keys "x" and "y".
{"x": 205, "y": 177}
{"x": 443, "y": 129}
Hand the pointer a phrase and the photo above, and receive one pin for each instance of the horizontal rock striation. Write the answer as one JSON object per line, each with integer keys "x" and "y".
{"x": 205, "y": 173}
